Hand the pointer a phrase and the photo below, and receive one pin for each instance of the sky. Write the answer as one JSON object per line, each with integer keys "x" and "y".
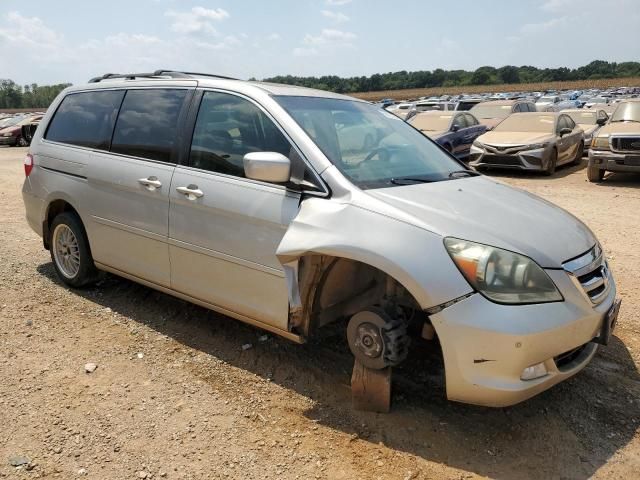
{"x": 55, "y": 41}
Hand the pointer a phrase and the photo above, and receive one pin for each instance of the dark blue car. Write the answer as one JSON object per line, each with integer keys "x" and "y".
{"x": 455, "y": 131}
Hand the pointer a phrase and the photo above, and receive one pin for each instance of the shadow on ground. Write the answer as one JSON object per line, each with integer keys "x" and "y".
{"x": 568, "y": 432}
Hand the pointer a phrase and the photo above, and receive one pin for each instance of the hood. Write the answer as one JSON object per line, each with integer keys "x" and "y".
{"x": 620, "y": 127}
{"x": 588, "y": 128}
{"x": 514, "y": 138}
{"x": 490, "y": 122}
{"x": 12, "y": 129}
{"x": 486, "y": 211}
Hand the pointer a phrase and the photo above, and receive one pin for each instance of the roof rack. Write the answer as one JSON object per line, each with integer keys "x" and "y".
{"x": 156, "y": 74}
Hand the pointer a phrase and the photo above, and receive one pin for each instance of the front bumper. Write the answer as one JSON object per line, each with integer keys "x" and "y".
{"x": 614, "y": 162}
{"x": 8, "y": 141}
{"x": 486, "y": 346}
{"x": 524, "y": 160}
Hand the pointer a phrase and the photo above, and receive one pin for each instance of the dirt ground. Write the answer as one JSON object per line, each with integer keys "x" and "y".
{"x": 175, "y": 395}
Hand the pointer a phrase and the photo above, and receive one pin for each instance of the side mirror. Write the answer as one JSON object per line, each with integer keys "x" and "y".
{"x": 601, "y": 121}
{"x": 565, "y": 131}
{"x": 267, "y": 167}
{"x": 455, "y": 127}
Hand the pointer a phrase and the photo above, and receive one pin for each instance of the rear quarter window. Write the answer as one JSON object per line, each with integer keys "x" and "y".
{"x": 86, "y": 119}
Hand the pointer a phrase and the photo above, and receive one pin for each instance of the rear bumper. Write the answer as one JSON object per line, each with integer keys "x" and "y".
{"x": 614, "y": 162}
{"x": 525, "y": 160}
{"x": 487, "y": 346}
{"x": 34, "y": 207}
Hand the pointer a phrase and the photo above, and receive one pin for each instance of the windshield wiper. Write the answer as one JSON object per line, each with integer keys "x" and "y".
{"x": 410, "y": 180}
{"x": 463, "y": 173}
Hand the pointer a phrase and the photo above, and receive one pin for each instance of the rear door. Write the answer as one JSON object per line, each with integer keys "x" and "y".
{"x": 130, "y": 184}
{"x": 458, "y": 138}
{"x": 224, "y": 229}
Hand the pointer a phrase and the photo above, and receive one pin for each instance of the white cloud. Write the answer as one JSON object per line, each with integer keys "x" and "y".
{"x": 533, "y": 28}
{"x": 273, "y": 36}
{"x": 337, "y": 17}
{"x": 197, "y": 20}
{"x": 337, "y": 3}
{"x": 330, "y": 36}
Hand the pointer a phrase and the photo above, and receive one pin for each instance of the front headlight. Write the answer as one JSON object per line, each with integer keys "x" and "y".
{"x": 600, "y": 143}
{"x": 535, "y": 146}
{"x": 500, "y": 275}
{"x": 478, "y": 144}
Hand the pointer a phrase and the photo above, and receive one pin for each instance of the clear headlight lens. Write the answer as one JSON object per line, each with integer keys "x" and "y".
{"x": 478, "y": 144}
{"x": 535, "y": 146}
{"x": 500, "y": 275}
{"x": 600, "y": 142}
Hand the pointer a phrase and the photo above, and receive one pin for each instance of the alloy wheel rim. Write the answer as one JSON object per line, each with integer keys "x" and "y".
{"x": 66, "y": 251}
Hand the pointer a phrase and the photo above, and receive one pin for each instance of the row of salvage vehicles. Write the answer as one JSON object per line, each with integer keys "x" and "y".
{"x": 510, "y": 135}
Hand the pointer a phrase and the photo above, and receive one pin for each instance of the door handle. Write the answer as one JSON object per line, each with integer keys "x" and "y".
{"x": 191, "y": 192}
{"x": 150, "y": 182}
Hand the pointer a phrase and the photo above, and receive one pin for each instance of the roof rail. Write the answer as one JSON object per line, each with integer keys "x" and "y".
{"x": 156, "y": 74}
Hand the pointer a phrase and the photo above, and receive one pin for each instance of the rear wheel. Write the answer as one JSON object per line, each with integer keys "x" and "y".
{"x": 70, "y": 251}
{"x": 552, "y": 163}
{"x": 22, "y": 142}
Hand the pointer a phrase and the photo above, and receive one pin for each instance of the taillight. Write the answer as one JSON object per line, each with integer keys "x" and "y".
{"x": 28, "y": 164}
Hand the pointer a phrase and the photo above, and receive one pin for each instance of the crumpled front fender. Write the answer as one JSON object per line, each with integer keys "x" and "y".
{"x": 414, "y": 257}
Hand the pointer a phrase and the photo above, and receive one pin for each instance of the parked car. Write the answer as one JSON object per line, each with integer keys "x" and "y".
{"x": 429, "y": 105}
{"x": 616, "y": 147}
{"x": 11, "y": 134}
{"x": 402, "y": 110}
{"x": 235, "y": 195}
{"x": 454, "y": 131}
{"x": 467, "y": 103}
{"x": 548, "y": 103}
{"x": 589, "y": 121}
{"x": 492, "y": 113}
{"x": 599, "y": 101}
{"x": 530, "y": 141}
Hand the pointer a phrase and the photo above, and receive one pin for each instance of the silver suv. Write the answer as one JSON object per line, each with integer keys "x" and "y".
{"x": 291, "y": 209}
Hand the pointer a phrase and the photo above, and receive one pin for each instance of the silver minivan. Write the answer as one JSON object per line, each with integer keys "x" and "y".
{"x": 255, "y": 200}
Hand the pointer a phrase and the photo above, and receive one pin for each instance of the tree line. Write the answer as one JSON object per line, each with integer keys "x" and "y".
{"x": 453, "y": 78}
{"x": 13, "y": 95}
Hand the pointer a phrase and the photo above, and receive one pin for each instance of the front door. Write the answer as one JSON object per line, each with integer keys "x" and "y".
{"x": 224, "y": 229}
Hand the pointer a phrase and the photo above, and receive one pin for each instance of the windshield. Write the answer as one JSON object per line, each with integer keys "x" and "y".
{"x": 527, "y": 122}
{"x": 546, "y": 100}
{"x": 491, "y": 111}
{"x": 598, "y": 100}
{"x": 629, "y": 111}
{"x": 431, "y": 123}
{"x": 375, "y": 149}
{"x": 584, "y": 118}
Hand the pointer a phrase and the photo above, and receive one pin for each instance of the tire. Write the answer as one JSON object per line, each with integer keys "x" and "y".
{"x": 595, "y": 174}
{"x": 579, "y": 154}
{"x": 22, "y": 142}
{"x": 70, "y": 252}
{"x": 553, "y": 162}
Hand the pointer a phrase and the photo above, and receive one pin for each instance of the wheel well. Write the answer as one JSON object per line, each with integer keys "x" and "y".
{"x": 54, "y": 209}
{"x": 334, "y": 288}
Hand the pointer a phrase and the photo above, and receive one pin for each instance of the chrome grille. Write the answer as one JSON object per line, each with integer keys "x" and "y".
{"x": 591, "y": 273}
{"x": 504, "y": 149}
{"x": 625, "y": 144}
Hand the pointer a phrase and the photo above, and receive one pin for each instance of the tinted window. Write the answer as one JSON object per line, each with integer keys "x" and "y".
{"x": 460, "y": 121}
{"x": 86, "y": 119}
{"x": 471, "y": 120}
{"x": 147, "y": 126}
{"x": 227, "y": 128}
